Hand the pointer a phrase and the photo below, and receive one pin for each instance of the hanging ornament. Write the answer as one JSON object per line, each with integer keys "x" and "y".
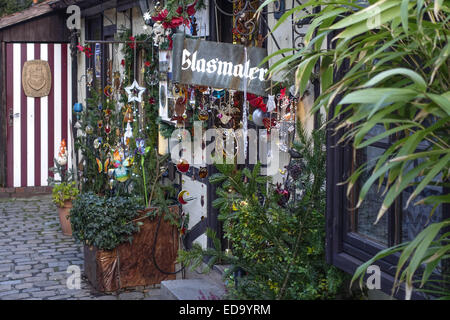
{"x": 108, "y": 91}
{"x": 224, "y": 118}
{"x": 78, "y": 108}
{"x": 98, "y": 142}
{"x": 183, "y": 166}
{"x": 121, "y": 174}
{"x": 135, "y": 92}
{"x": 62, "y": 155}
{"x": 203, "y": 115}
{"x": 111, "y": 183}
{"x": 100, "y": 124}
{"x": 128, "y": 117}
{"x": 203, "y": 172}
{"x": 108, "y": 113}
{"x": 258, "y": 117}
{"x": 89, "y": 77}
{"x": 180, "y": 109}
{"x": 270, "y": 103}
{"x": 116, "y": 80}
{"x": 128, "y": 134}
{"x": 218, "y": 93}
{"x": 111, "y": 173}
{"x": 89, "y": 129}
{"x": 179, "y": 92}
{"x": 100, "y": 107}
{"x": 269, "y": 123}
{"x": 181, "y": 199}
{"x": 107, "y": 129}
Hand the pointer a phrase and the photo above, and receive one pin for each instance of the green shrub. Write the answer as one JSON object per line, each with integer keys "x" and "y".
{"x": 65, "y": 191}
{"x": 277, "y": 244}
{"x": 104, "y": 222}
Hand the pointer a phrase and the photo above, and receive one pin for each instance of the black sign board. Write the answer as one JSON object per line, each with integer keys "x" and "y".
{"x": 218, "y": 65}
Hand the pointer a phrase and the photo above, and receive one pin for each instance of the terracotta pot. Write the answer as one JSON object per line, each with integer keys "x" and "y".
{"x": 64, "y": 213}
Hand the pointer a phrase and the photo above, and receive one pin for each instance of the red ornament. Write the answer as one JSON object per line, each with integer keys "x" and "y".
{"x": 148, "y": 63}
{"x": 183, "y": 166}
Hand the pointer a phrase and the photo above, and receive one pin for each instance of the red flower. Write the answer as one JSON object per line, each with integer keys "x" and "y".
{"x": 283, "y": 92}
{"x": 88, "y": 52}
{"x": 80, "y": 47}
{"x": 191, "y": 9}
{"x": 161, "y": 16}
{"x": 151, "y": 100}
{"x": 148, "y": 63}
{"x": 123, "y": 62}
{"x": 177, "y": 21}
{"x": 132, "y": 44}
{"x": 179, "y": 10}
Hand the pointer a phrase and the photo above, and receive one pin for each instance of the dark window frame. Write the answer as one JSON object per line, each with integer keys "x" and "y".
{"x": 346, "y": 249}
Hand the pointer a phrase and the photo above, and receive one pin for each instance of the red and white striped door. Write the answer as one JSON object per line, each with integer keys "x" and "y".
{"x": 36, "y": 126}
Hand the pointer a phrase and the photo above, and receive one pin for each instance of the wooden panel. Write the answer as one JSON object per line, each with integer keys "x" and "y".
{"x": 48, "y": 28}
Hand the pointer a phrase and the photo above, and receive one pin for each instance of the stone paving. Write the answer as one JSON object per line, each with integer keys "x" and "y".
{"x": 34, "y": 256}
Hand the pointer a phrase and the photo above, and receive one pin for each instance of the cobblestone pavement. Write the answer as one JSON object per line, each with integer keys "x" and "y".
{"x": 34, "y": 256}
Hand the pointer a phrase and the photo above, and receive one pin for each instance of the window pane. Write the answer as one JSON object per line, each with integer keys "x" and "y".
{"x": 366, "y": 214}
{"x": 417, "y": 217}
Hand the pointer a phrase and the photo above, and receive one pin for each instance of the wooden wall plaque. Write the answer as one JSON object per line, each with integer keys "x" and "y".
{"x": 36, "y": 78}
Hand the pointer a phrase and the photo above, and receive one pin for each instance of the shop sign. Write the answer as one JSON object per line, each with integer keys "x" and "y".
{"x": 219, "y": 65}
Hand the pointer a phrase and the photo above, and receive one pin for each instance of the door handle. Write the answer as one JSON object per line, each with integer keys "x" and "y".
{"x": 12, "y": 115}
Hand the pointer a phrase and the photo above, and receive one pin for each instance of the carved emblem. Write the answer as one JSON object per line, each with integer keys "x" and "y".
{"x": 36, "y": 78}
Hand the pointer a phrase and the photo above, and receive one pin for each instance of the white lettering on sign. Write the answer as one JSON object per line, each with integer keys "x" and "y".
{"x": 226, "y": 68}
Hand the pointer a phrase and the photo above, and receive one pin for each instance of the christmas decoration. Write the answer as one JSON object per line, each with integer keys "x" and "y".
{"x": 62, "y": 154}
{"x": 135, "y": 92}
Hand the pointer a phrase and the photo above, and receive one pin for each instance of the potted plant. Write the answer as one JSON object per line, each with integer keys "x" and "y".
{"x": 120, "y": 241}
{"x": 62, "y": 195}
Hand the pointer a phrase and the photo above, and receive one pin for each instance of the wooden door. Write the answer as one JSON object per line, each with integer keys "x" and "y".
{"x": 36, "y": 126}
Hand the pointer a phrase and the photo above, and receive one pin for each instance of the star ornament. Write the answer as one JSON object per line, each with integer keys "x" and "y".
{"x": 135, "y": 92}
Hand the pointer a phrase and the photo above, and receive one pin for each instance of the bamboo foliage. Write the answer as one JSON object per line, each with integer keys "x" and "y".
{"x": 398, "y": 76}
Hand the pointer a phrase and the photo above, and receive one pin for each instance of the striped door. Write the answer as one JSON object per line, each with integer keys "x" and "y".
{"x": 36, "y": 126}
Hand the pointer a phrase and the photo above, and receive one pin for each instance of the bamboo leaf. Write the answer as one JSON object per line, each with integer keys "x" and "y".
{"x": 404, "y": 14}
{"x": 365, "y": 14}
{"x": 373, "y": 95}
{"x": 418, "y": 80}
{"x": 396, "y": 189}
{"x": 435, "y": 170}
{"x": 442, "y": 101}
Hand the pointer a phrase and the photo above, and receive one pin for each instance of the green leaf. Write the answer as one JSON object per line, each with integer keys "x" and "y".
{"x": 418, "y": 80}
{"x": 442, "y": 101}
{"x": 373, "y": 95}
{"x": 404, "y": 14}
{"x": 397, "y": 188}
{"x": 435, "y": 170}
{"x": 365, "y": 14}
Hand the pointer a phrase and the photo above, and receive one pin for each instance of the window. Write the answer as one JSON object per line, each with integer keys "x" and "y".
{"x": 352, "y": 237}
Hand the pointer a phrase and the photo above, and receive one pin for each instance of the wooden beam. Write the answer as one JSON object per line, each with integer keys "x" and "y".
{"x": 3, "y": 117}
{"x": 98, "y": 8}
